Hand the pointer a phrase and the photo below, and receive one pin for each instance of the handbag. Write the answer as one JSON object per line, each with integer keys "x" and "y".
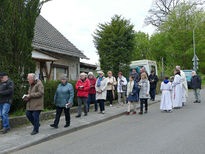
{"x": 124, "y": 87}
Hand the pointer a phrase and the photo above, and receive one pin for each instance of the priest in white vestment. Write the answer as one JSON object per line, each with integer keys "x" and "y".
{"x": 184, "y": 85}
{"x": 177, "y": 90}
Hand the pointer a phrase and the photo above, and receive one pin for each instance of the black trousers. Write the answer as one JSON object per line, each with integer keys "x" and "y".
{"x": 58, "y": 115}
{"x": 102, "y": 104}
{"x": 152, "y": 93}
{"x": 142, "y": 102}
{"x": 110, "y": 96}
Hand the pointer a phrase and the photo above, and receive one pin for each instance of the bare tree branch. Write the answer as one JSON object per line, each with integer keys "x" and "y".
{"x": 162, "y": 8}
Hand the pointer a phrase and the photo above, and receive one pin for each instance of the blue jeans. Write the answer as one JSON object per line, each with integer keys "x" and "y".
{"x": 4, "y": 114}
{"x": 33, "y": 117}
{"x": 92, "y": 98}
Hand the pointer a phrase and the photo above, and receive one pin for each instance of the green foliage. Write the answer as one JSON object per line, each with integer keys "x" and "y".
{"x": 142, "y": 46}
{"x": 114, "y": 42}
{"x": 16, "y": 34}
{"x": 174, "y": 39}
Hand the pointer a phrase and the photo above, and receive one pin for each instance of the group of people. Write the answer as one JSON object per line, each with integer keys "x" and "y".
{"x": 175, "y": 91}
{"x": 139, "y": 87}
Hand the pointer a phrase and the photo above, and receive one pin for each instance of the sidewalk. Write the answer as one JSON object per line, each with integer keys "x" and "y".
{"x": 19, "y": 138}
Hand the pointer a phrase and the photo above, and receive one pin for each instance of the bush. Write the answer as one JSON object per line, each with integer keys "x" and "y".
{"x": 49, "y": 92}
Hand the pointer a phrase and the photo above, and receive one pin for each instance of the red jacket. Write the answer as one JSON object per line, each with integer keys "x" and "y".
{"x": 85, "y": 90}
{"x": 92, "y": 83}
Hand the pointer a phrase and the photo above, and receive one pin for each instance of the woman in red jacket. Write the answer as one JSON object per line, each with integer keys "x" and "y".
{"x": 83, "y": 87}
{"x": 92, "y": 92}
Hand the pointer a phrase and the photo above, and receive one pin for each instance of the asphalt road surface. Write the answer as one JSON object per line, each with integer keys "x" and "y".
{"x": 179, "y": 132}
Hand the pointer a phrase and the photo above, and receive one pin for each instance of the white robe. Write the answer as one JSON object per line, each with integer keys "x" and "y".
{"x": 166, "y": 99}
{"x": 177, "y": 91}
{"x": 184, "y": 86}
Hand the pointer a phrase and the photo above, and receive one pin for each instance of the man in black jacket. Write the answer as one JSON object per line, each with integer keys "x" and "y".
{"x": 153, "y": 79}
{"x": 196, "y": 86}
{"x": 6, "y": 94}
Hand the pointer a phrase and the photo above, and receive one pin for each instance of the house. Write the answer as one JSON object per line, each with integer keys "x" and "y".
{"x": 53, "y": 54}
{"x": 86, "y": 68}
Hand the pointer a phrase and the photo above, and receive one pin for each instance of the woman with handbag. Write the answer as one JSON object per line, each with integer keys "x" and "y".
{"x": 132, "y": 94}
{"x": 121, "y": 88}
{"x": 63, "y": 100}
{"x": 111, "y": 87}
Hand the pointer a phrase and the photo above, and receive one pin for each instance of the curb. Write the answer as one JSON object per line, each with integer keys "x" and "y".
{"x": 47, "y": 138}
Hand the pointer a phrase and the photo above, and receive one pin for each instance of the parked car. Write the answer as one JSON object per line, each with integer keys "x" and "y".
{"x": 188, "y": 74}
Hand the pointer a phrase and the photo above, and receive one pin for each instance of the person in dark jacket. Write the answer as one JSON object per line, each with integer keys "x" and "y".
{"x": 153, "y": 79}
{"x": 63, "y": 100}
{"x": 196, "y": 86}
{"x": 132, "y": 94}
{"x": 6, "y": 95}
{"x": 135, "y": 75}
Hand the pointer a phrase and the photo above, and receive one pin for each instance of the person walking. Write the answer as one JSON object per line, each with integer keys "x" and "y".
{"x": 121, "y": 88}
{"x": 196, "y": 86}
{"x": 111, "y": 87}
{"x": 177, "y": 90}
{"x": 83, "y": 87}
{"x": 6, "y": 96}
{"x": 166, "y": 99}
{"x": 153, "y": 79}
{"x": 92, "y": 92}
{"x": 132, "y": 94}
{"x": 34, "y": 100}
{"x": 63, "y": 100}
{"x": 101, "y": 91}
{"x": 144, "y": 86}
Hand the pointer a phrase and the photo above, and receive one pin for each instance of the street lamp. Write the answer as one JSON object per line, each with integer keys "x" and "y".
{"x": 195, "y": 59}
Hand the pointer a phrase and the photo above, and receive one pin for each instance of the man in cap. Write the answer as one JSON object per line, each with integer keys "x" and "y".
{"x": 6, "y": 95}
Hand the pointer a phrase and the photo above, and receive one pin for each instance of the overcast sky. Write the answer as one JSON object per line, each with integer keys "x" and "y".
{"x": 78, "y": 19}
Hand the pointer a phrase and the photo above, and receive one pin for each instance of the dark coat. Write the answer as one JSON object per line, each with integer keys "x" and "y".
{"x": 6, "y": 91}
{"x": 151, "y": 77}
{"x": 136, "y": 76}
{"x": 134, "y": 96}
{"x": 196, "y": 82}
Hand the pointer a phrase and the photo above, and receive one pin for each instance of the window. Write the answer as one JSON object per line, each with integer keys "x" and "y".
{"x": 59, "y": 71}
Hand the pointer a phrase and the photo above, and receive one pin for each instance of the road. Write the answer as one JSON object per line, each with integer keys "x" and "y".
{"x": 179, "y": 132}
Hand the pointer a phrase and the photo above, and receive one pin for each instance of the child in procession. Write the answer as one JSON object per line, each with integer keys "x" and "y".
{"x": 166, "y": 99}
{"x": 132, "y": 94}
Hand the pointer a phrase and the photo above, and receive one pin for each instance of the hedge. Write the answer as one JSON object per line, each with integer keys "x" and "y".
{"x": 49, "y": 92}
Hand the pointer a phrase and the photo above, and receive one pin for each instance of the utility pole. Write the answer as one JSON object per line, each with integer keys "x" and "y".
{"x": 195, "y": 58}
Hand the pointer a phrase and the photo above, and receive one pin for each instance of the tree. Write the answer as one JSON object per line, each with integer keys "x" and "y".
{"x": 162, "y": 8}
{"x": 17, "y": 21}
{"x": 142, "y": 46}
{"x": 174, "y": 40}
{"x": 115, "y": 43}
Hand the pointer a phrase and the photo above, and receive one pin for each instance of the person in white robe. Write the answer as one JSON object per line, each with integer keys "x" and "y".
{"x": 184, "y": 85}
{"x": 166, "y": 99}
{"x": 177, "y": 90}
